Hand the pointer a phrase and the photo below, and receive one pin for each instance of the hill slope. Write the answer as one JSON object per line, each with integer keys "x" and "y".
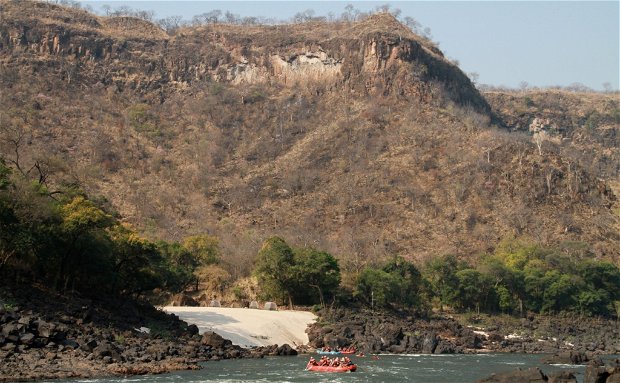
{"x": 361, "y": 138}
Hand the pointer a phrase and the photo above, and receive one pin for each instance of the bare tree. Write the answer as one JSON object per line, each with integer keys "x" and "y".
{"x": 171, "y": 23}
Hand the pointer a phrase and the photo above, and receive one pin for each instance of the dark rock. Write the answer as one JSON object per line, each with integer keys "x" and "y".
{"x": 158, "y": 351}
{"x": 396, "y": 349}
{"x": 12, "y": 328}
{"x": 495, "y": 337}
{"x": 66, "y": 319}
{"x": 105, "y": 349}
{"x": 562, "y": 377}
{"x": 595, "y": 374}
{"x": 44, "y": 329}
{"x": 70, "y": 343}
{"x": 25, "y": 320}
{"x": 26, "y": 338}
{"x": 87, "y": 345}
{"x": 445, "y": 347}
{"x": 12, "y": 339}
{"x": 192, "y": 329}
{"x": 571, "y": 357}
{"x": 531, "y": 375}
{"x": 214, "y": 340}
{"x": 430, "y": 343}
{"x": 59, "y": 336}
{"x": 285, "y": 349}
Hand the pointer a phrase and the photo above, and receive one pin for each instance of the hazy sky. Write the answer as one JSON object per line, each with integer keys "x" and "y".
{"x": 543, "y": 43}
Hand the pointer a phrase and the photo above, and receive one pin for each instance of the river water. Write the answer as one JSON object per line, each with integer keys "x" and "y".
{"x": 388, "y": 369}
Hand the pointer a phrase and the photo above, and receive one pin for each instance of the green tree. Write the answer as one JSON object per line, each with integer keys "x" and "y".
{"x": 315, "y": 270}
{"x": 378, "y": 287}
{"x": 441, "y": 275}
{"x": 139, "y": 266}
{"x": 474, "y": 289}
{"x": 205, "y": 251}
{"x": 409, "y": 292}
{"x": 82, "y": 235}
{"x": 561, "y": 291}
{"x": 594, "y": 302}
{"x": 601, "y": 275}
{"x": 398, "y": 282}
{"x": 181, "y": 265}
{"x": 274, "y": 269}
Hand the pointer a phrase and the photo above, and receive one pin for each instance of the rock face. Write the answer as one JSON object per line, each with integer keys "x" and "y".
{"x": 141, "y": 55}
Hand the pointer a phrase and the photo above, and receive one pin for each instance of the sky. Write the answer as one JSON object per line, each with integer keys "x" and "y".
{"x": 507, "y": 43}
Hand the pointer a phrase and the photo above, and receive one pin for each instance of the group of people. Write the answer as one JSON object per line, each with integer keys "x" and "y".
{"x": 330, "y": 362}
{"x": 348, "y": 350}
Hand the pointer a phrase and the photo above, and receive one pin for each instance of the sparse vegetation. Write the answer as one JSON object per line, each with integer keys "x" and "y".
{"x": 224, "y": 129}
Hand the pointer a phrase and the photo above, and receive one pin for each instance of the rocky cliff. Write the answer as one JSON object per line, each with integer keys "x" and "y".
{"x": 375, "y": 56}
{"x": 359, "y": 138}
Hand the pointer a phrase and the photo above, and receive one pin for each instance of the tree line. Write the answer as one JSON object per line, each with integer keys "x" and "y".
{"x": 67, "y": 241}
{"x": 518, "y": 277}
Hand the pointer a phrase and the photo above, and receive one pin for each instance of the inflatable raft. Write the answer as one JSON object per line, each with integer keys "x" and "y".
{"x": 347, "y": 368}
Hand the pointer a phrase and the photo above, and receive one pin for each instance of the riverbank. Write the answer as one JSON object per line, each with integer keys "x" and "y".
{"x": 44, "y": 335}
{"x": 378, "y": 332}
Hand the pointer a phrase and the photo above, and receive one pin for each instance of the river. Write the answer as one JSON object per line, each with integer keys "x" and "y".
{"x": 388, "y": 368}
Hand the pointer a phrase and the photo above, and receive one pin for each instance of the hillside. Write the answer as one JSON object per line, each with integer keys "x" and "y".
{"x": 358, "y": 138}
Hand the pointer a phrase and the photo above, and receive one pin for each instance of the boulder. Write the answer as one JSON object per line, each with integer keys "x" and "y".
{"x": 215, "y": 303}
{"x": 192, "y": 329}
{"x": 531, "y": 375}
{"x": 271, "y": 306}
{"x": 184, "y": 300}
{"x": 430, "y": 343}
{"x": 70, "y": 343}
{"x": 26, "y": 338}
{"x": 571, "y": 357}
{"x": 285, "y": 350}
{"x": 562, "y": 377}
{"x": 396, "y": 349}
{"x": 12, "y": 328}
{"x": 445, "y": 347}
{"x": 44, "y": 329}
{"x": 253, "y": 305}
{"x": 87, "y": 345}
{"x": 214, "y": 340}
{"x": 596, "y": 373}
{"x": 105, "y": 349}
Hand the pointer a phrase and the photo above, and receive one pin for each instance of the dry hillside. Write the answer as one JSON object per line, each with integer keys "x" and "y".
{"x": 357, "y": 138}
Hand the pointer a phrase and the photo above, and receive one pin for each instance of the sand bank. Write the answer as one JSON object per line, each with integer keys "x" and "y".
{"x": 249, "y": 327}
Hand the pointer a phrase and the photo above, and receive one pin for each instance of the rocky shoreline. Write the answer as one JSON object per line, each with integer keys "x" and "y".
{"x": 57, "y": 337}
{"x": 573, "y": 339}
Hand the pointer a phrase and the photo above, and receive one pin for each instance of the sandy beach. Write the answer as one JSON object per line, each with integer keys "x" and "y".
{"x": 249, "y": 327}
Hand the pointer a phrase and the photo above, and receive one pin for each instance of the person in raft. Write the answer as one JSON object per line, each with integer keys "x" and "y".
{"x": 325, "y": 361}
